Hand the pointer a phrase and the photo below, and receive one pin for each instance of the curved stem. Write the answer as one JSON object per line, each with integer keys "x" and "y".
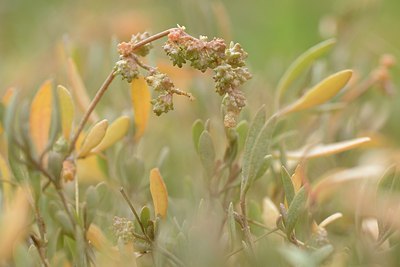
{"x": 92, "y": 105}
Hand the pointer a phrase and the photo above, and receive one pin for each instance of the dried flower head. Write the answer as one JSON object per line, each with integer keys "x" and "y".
{"x": 123, "y": 229}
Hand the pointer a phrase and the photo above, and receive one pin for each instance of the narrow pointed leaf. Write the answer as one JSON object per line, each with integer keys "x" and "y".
{"x": 40, "y": 116}
{"x": 159, "y": 193}
{"x": 242, "y": 129}
{"x": 93, "y": 138}
{"x": 258, "y": 152}
{"x": 295, "y": 209}
{"x": 67, "y": 110}
{"x": 116, "y": 131}
{"x": 288, "y": 187}
{"x": 140, "y": 96}
{"x": 79, "y": 89}
{"x": 265, "y": 165}
{"x": 297, "y": 177}
{"x": 329, "y": 149}
{"x": 231, "y": 226}
{"x": 321, "y": 93}
{"x": 207, "y": 152}
{"x": 301, "y": 63}
{"x": 197, "y": 129}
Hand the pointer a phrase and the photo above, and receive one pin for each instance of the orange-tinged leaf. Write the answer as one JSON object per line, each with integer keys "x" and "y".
{"x": 114, "y": 133}
{"x": 40, "y": 117}
{"x": 98, "y": 240}
{"x": 140, "y": 96}
{"x": 79, "y": 89}
{"x": 320, "y": 93}
{"x": 329, "y": 149}
{"x": 159, "y": 193}
{"x": 66, "y": 110}
{"x": 93, "y": 138}
{"x": 14, "y": 224}
{"x": 297, "y": 177}
{"x": 5, "y": 175}
{"x": 7, "y": 95}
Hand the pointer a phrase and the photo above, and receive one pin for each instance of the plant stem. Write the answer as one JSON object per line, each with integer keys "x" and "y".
{"x": 92, "y": 105}
{"x": 256, "y": 240}
{"x": 134, "y": 212}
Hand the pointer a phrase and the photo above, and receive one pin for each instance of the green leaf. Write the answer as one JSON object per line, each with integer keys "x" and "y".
{"x": 231, "y": 226}
{"x": 242, "y": 129}
{"x": 197, "y": 129}
{"x": 287, "y": 185}
{"x": 62, "y": 218}
{"x": 295, "y": 209}
{"x": 301, "y": 63}
{"x": 252, "y": 134}
{"x": 267, "y": 161}
{"x": 207, "y": 153}
{"x": 259, "y": 150}
{"x": 145, "y": 216}
{"x": 390, "y": 181}
{"x": 321, "y": 254}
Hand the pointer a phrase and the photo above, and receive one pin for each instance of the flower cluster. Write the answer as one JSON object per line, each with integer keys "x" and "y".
{"x": 127, "y": 65}
{"x": 228, "y": 64}
{"x": 123, "y": 229}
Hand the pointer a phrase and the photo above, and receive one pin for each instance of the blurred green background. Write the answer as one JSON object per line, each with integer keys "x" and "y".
{"x": 35, "y": 36}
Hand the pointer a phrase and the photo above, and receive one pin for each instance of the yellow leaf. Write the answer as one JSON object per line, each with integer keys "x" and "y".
{"x": 140, "y": 96}
{"x": 159, "y": 193}
{"x": 115, "y": 132}
{"x": 326, "y": 150}
{"x": 297, "y": 177}
{"x": 14, "y": 224}
{"x": 5, "y": 175}
{"x": 89, "y": 171}
{"x": 40, "y": 117}
{"x": 66, "y": 109}
{"x": 320, "y": 93}
{"x": 97, "y": 239}
{"x": 93, "y": 138}
{"x": 79, "y": 89}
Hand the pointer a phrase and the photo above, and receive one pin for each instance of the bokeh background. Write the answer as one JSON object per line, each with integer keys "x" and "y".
{"x": 37, "y": 36}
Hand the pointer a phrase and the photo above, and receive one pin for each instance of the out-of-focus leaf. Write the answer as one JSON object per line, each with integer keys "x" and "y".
{"x": 267, "y": 161}
{"x": 242, "y": 128}
{"x": 321, "y": 254}
{"x": 159, "y": 193}
{"x": 79, "y": 90}
{"x": 197, "y": 129}
{"x": 6, "y": 176}
{"x": 67, "y": 110}
{"x": 231, "y": 226}
{"x": 93, "y": 138}
{"x": 320, "y": 93}
{"x": 98, "y": 240}
{"x": 207, "y": 152}
{"x": 390, "y": 181}
{"x": 14, "y": 222}
{"x": 8, "y": 95}
{"x": 326, "y": 150}
{"x": 270, "y": 213}
{"x": 295, "y": 209}
{"x": 288, "y": 187}
{"x": 140, "y": 96}
{"x": 114, "y": 133}
{"x": 333, "y": 181}
{"x": 297, "y": 177}
{"x": 89, "y": 171}
{"x": 40, "y": 116}
{"x": 301, "y": 63}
